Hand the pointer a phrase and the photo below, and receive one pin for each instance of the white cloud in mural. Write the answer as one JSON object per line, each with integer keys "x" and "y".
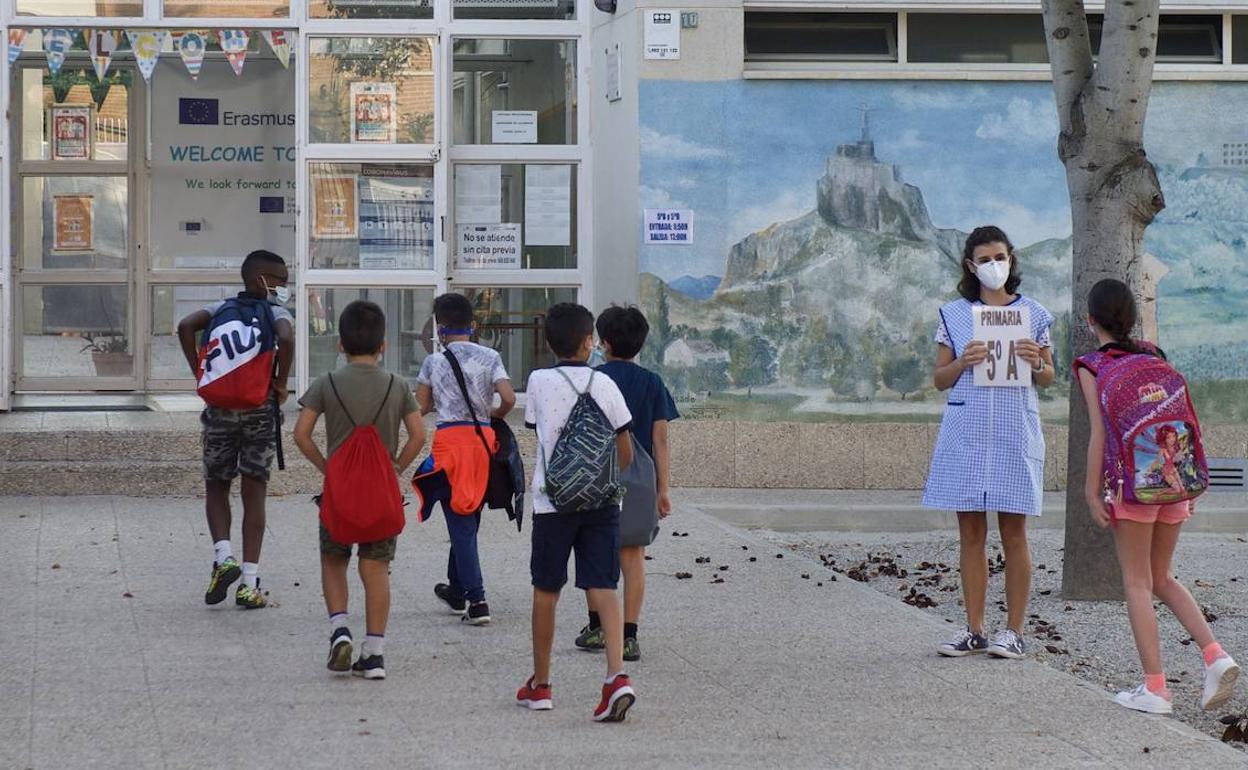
{"x": 909, "y": 140}
{"x": 789, "y": 205}
{"x": 928, "y": 97}
{"x": 655, "y": 198}
{"x": 671, "y": 147}
{"x": 1024, "y": 122}
{"x": 686, "y": 183}
{"x": 1024, "y": 225}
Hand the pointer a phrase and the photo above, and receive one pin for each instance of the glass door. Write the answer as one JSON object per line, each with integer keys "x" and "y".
{"x": 75, "y": 140}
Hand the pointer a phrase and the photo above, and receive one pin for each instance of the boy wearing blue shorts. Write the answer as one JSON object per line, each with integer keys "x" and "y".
{"x": 593, "y": 535}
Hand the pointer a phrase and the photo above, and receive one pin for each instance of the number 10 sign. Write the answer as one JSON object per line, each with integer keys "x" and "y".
{"x": 1002, "y": 328}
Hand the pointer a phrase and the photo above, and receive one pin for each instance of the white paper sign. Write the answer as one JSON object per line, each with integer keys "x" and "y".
{"x": 492, "y": 247}
{"x": 547, "y": 205}
{"x": 613, "y": 74}
{"x": 514, "y": 126}
{"x": 662, "y": 35}
{"x": 669, "y": 227}
{"x": 1002, "y": 328}
{"x": 479, "y": 194}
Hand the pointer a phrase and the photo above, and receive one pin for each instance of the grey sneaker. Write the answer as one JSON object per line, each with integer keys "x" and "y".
{"x": 1007, "y": 644}
{"x": 967, "y": 642}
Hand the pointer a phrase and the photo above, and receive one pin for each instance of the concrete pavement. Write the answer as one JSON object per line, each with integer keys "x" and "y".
{"x": 112, "y": 660}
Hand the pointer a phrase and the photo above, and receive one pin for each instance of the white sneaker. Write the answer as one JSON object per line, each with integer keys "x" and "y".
{"x": 1220, "y": 677}
{"x": 1007, "y": 644}
{"x": 1140, "y": 699}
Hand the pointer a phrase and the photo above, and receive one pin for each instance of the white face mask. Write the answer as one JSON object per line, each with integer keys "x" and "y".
{"x": 993, "y": 275}
{"x": 278, "y": 295}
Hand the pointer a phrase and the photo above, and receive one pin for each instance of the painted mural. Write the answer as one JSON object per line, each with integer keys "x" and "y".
{"x": 829, "y": 218}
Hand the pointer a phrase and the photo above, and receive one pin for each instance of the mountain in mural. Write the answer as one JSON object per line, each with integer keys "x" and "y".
{"x": 844, "y": 297}
{"x": 698, "y": 288}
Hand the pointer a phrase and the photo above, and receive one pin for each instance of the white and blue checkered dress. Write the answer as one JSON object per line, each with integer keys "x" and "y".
{"x": 990, "y": 453}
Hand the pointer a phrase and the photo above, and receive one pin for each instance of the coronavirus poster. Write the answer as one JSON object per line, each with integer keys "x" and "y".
{"x": 223, "y": 165}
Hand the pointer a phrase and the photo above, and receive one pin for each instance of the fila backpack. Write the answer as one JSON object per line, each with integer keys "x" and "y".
{"x": 239, "y": 354}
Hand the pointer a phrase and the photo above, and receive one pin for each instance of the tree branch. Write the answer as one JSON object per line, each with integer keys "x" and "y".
{"x": 1070, "y": 53}
{"x": 1124, "y": 75}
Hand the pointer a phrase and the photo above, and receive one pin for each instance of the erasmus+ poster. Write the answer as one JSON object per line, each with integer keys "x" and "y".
{"x": 223, "y": 165}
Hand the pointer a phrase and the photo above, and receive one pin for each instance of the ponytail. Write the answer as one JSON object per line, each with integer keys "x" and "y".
{"x": 1112, "y": 305}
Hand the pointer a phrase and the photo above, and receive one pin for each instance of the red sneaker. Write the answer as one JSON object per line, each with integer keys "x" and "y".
{"x": 617, "y": 698}
{"x": 535, "y": 697}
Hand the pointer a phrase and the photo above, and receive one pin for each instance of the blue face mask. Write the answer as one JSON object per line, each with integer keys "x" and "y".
{"x": 278, "y": 295}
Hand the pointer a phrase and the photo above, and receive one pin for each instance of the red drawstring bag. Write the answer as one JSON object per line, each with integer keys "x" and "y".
{"x": 360, "y": 502}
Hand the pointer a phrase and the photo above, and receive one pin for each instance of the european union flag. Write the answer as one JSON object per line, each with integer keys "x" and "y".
{"x": 272, "y": 204}
{"x": 198, "y": 112}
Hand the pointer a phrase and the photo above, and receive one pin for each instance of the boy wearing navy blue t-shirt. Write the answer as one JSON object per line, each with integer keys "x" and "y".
{"x": 622, "y": 333}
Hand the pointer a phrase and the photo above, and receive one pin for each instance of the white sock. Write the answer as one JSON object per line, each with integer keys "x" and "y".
{"x": 251, "y": 574}
{"x": 373, "y": 645}
{"x": 223, "y": 550}
{"x": 337, "y": 620}
{"x": 612, "y": 677}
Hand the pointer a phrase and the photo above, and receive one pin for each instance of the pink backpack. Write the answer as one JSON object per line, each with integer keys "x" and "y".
{"x": 1153, "y": 450}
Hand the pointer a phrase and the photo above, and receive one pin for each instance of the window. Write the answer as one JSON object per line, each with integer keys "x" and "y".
{"x": 409, "y": 328}
{"x": 515, "y": 91}
{"x": 515, "y": 216}
{"x": 92, "y": 115}
{"x": 789, "y": 36}
{"x": 81, "y": 8}
{"x": 976, "y": 38}
{"x": 371, "y": 90}
{"x": 224, "y": 9}
{"x": 75, "y": 223}
{"x": 76, "y": 330}
{"x": 1239, "y": 33}
{"x": 512, "y": 321}
{"x": 514, "y": 9}
{"x": 371, "y": 216}
{"x": 370, "y": 9}
{"x": 1180, "y": 39}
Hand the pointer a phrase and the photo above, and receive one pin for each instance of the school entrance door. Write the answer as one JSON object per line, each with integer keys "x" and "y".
{"x": 134, "y": 205}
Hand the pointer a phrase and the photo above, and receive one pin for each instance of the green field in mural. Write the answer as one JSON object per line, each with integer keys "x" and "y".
{"x": 828, "y": 223}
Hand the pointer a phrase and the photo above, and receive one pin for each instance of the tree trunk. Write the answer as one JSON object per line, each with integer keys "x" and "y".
{"x": 1114, "y": 195}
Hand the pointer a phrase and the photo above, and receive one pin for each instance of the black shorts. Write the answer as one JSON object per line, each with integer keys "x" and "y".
{"x": 595, "y": 538}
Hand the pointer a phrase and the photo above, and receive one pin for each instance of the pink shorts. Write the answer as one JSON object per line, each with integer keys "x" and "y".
{"x": 1174, "y": 513}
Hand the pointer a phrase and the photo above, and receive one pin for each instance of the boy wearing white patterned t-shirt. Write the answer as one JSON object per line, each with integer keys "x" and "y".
{"x": 593, "y": 535}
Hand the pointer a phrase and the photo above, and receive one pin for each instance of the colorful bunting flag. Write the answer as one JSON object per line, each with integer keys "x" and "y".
{"x": 191, "y": 44}
{"x": 17, "y": 41}
{"x": 57, "y": 42}
{"x": 280, "y": 46}
{"x": 146, "y": 44}
{"x": 101, "y": 43}
{"x": 234, "y": 43}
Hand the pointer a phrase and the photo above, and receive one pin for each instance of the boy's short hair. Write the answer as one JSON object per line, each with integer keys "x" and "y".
{"x": 362, "y": 328}
{"x": 255, "y": 260}
{"x": 624, "y": 329}
{"x": 567, "y": 325}
{"x": 453, "y": 310}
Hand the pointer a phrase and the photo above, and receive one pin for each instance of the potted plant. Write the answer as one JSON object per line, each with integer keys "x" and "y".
{"x": 110, "y": 353}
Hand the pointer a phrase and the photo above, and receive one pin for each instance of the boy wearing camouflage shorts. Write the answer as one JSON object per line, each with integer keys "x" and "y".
{"x": 242, "y": 442}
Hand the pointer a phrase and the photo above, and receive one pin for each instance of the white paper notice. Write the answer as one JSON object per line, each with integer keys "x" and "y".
{"x": 1002, "y": 328}
{"x": 662, "y": 35}
{"x": 493, "y": 247}
{"x": 514, "y": 126}
{"x": 479, "y": 194}
{"x": 669, "y": 227}
{"x": 547, "y": 205}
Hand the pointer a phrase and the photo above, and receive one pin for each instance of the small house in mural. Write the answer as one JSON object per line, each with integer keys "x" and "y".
{"x": 690, "y": 354}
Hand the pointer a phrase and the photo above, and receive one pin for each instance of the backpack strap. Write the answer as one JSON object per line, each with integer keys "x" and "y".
{"x": 463, "y": 389}
{"x": 384, "y": 399}
{"x": 572, "y": 385}
{"x": 346, "y": 411}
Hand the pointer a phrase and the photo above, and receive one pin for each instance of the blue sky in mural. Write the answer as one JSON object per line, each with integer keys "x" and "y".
{"x": 745, "y": 155}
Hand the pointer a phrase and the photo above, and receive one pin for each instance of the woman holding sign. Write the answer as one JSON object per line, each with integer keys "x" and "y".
{"x": 993, "y": 350}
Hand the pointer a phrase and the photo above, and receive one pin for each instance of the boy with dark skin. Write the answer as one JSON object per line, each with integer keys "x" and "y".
{"x": 242, "y": 443}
